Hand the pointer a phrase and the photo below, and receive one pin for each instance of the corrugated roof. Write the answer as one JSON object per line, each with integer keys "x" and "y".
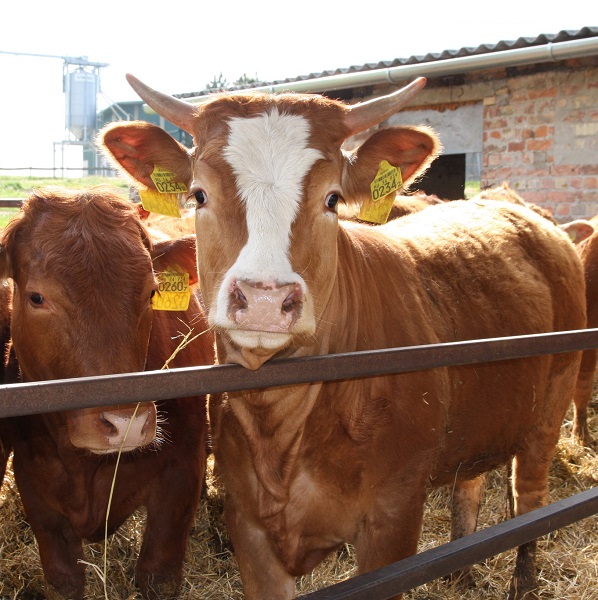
{"x": 522, "y": 42}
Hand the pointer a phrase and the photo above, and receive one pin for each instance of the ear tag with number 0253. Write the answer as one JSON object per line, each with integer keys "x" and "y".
{"x": 174, "y": 292}
{"x": 164, "y": 200}
{"x": 383, "y": 191}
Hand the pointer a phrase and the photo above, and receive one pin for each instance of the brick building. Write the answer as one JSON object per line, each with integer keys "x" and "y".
{"x": 535, "y": 127}
{"x": 523, "y": 112}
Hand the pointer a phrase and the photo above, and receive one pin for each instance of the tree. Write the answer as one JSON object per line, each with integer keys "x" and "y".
{"x": 219, "y": 83}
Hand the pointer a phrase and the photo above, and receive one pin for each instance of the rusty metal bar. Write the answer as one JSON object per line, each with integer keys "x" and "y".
{"x": 426, "y": 566}
{"x": 11, "y": 202}
{"x": 48, "y": 396}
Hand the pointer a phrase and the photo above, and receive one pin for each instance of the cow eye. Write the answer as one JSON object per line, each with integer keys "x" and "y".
{"x": 36, "y": 298}
{"x": 332, "y": 200}
{"x": 200, "y": 197}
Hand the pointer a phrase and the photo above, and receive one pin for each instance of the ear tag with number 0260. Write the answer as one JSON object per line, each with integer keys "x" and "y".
{"x": 164, "y": 200}
{"x": 174, "y": 292}
{"x": 383, "y": 191}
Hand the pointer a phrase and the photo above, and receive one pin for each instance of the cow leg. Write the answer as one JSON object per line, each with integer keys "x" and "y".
{"x": 392, "y": 529}
{"x": 60, "y": 549}
{"x": 171, "y": 509}
{"x": 262, "y": 572}
{"x": 5, "y": 450}
{"x": 61, "y": 553}
{"x": 170, "y": 514}
{"x": 583, "y": 395}
{"x": 465, "y": 506}
{"x": 530, "y": 491}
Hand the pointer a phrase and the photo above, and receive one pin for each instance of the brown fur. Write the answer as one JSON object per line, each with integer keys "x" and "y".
{"x": 308, "y": 467}
{"x": 5, "y": 312}
{"x": 588, "y": 251}
{"x": 506, "y": 193}
{"x": 91, "y": 257}
{"x": 402, "y": 206}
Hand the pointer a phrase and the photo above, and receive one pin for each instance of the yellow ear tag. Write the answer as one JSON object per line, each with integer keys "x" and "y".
{"x": 165, "y": 181}
{"x": 383, "y": 191}
{"x": 163, "y": 204}
{"x": 174, "y": 292}
{"x": 165, "y": 200}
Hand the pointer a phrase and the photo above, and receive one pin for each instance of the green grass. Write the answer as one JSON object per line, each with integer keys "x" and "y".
{"x": 21, "y": 187}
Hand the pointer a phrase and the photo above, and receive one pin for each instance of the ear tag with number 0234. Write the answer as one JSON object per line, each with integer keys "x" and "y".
{"x": 174, "y": 292}
{"x": 383, "y": 191}
{"x": 164, "y": 200}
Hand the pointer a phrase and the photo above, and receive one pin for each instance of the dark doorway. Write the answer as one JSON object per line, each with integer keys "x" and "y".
{"x": 445, "y": 178}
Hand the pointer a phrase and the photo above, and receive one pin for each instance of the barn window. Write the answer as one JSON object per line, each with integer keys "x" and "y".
{"x": 457, "y": 172}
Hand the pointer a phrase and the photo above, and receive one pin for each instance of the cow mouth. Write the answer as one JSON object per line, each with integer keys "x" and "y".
{"x": 130, "y": 450}
{"x": 252, "y": 349}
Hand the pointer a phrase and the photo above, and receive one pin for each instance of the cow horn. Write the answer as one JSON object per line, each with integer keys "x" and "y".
{"x": 367, "y": 114}
{"x": 176, "y": 111}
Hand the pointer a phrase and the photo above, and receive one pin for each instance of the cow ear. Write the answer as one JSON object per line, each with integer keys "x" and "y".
{"x": 578, "y": 230}
{"x": 137, "y": 147}
{"x": 412, "y": 149}
{"x": 179, "y": 251}
{"x": 5, "y": 268}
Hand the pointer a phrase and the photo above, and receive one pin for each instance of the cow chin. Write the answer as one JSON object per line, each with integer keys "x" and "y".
{"x": 111, "y": 450}
{"x": 251, "y": 349}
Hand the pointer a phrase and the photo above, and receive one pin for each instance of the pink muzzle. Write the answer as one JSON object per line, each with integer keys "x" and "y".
{"x": 264, "y": 306}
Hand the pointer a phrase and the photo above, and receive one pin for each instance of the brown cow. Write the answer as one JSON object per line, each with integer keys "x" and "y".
{"x": 588, "y": 252}
{"x": 5, "y": 311}
{"x": 308, "y": 467}
{"x": 578, "y": 231}
{"x": 83, "y": 282}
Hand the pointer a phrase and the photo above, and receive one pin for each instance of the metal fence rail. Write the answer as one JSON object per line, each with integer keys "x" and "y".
{"x": 85, "y": 392}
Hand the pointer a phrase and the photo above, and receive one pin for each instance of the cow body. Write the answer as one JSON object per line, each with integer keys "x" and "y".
{"x": 82, "y": 269}
{"x": 309, "y": 467}
{"x": 588, "y": 251}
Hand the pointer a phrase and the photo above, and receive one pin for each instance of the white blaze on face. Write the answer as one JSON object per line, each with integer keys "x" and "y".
{"x": 270, "y": 158}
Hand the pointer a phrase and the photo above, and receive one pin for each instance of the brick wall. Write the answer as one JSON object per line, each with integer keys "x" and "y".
{"x": 540, "y": 129}
{"x": 541, "y": 135}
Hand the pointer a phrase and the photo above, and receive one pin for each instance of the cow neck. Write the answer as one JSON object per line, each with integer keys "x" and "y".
{"x": 273, "y": 422}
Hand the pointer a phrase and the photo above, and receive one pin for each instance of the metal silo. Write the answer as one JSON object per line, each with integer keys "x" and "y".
{"x": 81, "y": 88}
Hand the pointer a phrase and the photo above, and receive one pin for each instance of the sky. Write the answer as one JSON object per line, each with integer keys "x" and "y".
{"x": 181, "y": 45}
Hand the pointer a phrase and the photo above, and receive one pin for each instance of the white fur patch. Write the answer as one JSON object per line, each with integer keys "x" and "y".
{"x": 270, "y": 158}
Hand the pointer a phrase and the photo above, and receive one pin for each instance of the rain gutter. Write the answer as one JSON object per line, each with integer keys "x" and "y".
{"x": 550, "y": 52}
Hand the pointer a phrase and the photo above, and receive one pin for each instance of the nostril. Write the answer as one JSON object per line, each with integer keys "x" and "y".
{"x": 111, "y": 429}
{"x": 238, "y": 299}
{"x": 293, "y": 300}
{"x": 148, "y": 425}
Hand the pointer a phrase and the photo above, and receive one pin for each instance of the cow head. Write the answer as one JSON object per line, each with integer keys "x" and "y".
{"x": 83, "y": 283}
{"x": 266, "y": 175}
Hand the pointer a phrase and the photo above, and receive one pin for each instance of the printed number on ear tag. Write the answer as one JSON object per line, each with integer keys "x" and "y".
{"x": 174, "y": 292}
{"x": 383, "y": 191}
{"x": 164, "y": 200}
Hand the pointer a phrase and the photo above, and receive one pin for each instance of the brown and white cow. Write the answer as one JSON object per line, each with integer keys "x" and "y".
{"x": 308, "y": 467}
{"x": 83, "y": 283}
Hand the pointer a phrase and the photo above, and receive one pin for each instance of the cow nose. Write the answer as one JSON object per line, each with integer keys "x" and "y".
{"x": 265, "y": 306}
{"x": 138, "y": 430}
